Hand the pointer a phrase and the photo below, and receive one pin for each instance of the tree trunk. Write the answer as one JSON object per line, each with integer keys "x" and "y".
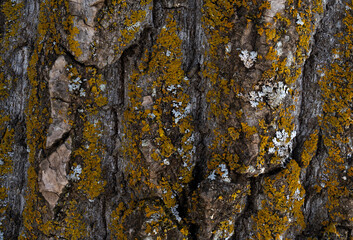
{"x": 176, "y": 119}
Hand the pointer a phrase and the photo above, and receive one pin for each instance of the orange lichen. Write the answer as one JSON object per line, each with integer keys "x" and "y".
{"x": 225, "y": 229}
{"x": 156, "y": 222}
{"x": 331, "y": 232}
{"x": 309, "y": 148}
{"x": 74, "y": 226}
{"x": 35, "y": 212}
{"x": 91, "y": 183}
{"x": 12, "y": 13}
{"x": 282, "y": 207}
{"x": 132, "y": 16}
{"x": 6, "y": 145}
{"x": 167, "y": 123}
{"x": 72, "y": 31}
{"x": 12, "y": 19}
{"x": 118, "y": 217}
{"x": 90, "y": 150}
{"x": 97, "y": 85}
{"x": 337, "y": 94}
{"x": 36, "y": 114}
{"x": 170, "y": 85}
{"x": 31, "y": 215}
{"x": 217, "y": 23}
{"x": 166, "y": 59}
{"x": 5, "y": 161}
{"x": 132, "y": 28}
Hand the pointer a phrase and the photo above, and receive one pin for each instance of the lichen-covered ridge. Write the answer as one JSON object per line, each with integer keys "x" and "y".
{"x": 175, "y": 119}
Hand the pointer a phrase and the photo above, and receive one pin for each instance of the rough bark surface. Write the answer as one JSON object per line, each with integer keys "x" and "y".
{"x": 176, "y": 119}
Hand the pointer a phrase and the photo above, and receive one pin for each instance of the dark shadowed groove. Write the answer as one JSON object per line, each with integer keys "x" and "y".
{"x": 57, "y": 143}
{"x": 157, "y": 13}
{"x": 104, "y": 218}
{"x": 192, "y": 70}
{"x": 303, "y": 132}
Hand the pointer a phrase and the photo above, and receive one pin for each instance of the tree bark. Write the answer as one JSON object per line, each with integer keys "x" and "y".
{"x": 176, "y": 119}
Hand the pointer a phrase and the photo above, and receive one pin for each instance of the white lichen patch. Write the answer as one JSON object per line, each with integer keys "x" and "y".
{"x": 279, "y": 48}
{"x": 277, "y": 96}
{"x": 75, "y": 175}
{"x": 166, "y": 162}
{"x": 229, "y": 47}
{"x": 282, "y": 143}
{"x": 224, "y": 232}
{"x": 297, "y": 194}
{"x": 102, "y": 87}
{"x": 299, "y": 20}
{"x": 290, "y": 59}
{"x": 176, "y": 212}
{"x": 171, "y": 88}
{"x": 134, "y": 27}
{"x": 248, "y": 58}
{"x": 82, "y": 92}
{"x": 254, "y": 171}
{"x": 75, "y": 85}
{"x": 180, "y": 113}
{"x": 273, "y": 94}
{"x": 277, "y": 6}
{"x": 225, "y": 173}
{"x": 212, "y": 175}
{"x": 222, "y": 171}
